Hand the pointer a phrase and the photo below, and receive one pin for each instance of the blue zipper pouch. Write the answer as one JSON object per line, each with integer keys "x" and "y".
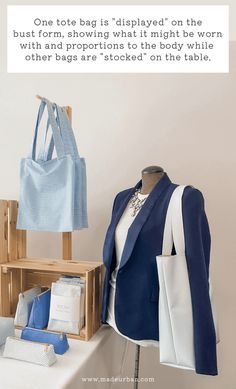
{"x": 39, "y": 314}
{"x": 59, "y": 341}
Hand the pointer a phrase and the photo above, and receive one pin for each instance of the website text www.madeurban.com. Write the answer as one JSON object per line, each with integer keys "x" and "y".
{"x": 102, "y": 380}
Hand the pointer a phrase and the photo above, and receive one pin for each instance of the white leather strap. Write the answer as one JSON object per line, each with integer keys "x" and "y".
{"x": 174, "y": 229}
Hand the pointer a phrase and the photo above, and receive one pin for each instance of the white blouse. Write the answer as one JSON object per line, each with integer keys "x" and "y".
{"x": 120, "y": 238}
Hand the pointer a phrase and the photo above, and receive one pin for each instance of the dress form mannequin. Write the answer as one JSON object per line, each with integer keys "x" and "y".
{"x": 134, "y": 282}
{"x": 150, "y": 177}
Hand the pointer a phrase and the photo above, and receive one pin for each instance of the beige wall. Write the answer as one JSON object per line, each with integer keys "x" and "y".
{"x": 185, "y": 123}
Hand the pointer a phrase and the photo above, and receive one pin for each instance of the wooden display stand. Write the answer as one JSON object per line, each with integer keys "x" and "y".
{"x": 19, "y": 273}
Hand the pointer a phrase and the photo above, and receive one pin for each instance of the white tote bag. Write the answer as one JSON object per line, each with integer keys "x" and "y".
{"x": 175, "y": 304}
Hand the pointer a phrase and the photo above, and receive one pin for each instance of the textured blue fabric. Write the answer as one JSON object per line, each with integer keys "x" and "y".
{"x": 137, "y": 287}
{"x": 198, "y": 244}
{"x": 59, "y": 341}
{"x": 53, "y": 190}
{"x": 80, "y": 201}
{"x": 39, "y": 314}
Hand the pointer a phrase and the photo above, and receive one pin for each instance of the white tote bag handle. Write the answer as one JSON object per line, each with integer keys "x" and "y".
{"x": 175, "y": 305}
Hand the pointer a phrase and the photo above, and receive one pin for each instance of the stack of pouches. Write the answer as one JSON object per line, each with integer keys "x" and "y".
{"x": 33, "y": 308}
{"x": 67, "y": 305}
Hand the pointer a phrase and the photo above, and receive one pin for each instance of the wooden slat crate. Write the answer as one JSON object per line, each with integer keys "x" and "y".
{"x": 19, "y": 273}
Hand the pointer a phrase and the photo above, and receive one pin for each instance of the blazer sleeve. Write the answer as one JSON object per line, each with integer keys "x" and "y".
{"x": 197, "y": 247}
{"x": 106, "y": 286}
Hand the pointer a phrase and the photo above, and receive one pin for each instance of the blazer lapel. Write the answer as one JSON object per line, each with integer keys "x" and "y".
{"x": 142, "y": 217}
{"x": 110, "y": 237}
{"x": 124, "y": 204}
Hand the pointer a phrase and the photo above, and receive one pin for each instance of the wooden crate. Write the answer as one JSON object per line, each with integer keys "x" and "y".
{"x": 19, "y": 273}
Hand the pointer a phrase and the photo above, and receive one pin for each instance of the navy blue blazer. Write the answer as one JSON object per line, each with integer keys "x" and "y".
{"x": 137, "y": 287}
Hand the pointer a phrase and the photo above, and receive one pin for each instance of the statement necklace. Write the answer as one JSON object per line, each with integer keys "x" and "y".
{"x": 136, "y": 203}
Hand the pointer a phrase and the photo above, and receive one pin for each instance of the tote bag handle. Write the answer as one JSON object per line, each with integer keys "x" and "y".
{"x": 66, "y": 133}
{"x": 174, "y": 229}
{"x": 55, "y": 130}
{"x": 43, "y": 152}
{"x": 175, "y": 305}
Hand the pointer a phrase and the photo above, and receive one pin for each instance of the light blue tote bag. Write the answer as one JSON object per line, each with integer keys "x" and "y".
{"x": 49, "y": 186}
{"x": 80, "y": 201}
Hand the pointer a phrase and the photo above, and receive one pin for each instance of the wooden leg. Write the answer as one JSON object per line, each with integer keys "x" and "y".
{"x": 67, "y": 245}
{"x": 5, "y": 307}
{"x": 3, "y": 231}
{"x": 12, "y": 230}
{"x": 89, "y": 305}
{"x": 136, "y": 367}
{"x": 21, "y": 244}
{"x": 96, "y": 300}
{"x": 15, "y": 288}
{"x": 67, "y": 236}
